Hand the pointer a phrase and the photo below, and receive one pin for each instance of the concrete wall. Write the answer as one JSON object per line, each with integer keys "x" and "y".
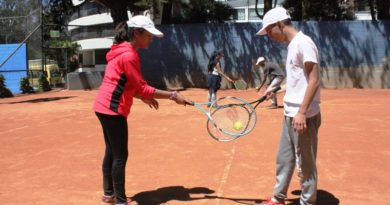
{"x": 353, "y": 53}
{"x": 84, "y": 80}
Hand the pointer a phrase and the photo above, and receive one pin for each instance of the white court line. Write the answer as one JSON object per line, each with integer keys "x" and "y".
{"x": 11, "y": 130}
{"x": 225, "y": 174}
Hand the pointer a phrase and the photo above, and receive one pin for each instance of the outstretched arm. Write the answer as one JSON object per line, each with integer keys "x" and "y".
{"x": 174, "y": 95}
{"x": 219, "y": 70}
{"x": 162, "y": 94}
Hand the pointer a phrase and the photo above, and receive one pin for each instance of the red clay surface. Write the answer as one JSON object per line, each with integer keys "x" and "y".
{"x": 52, "y": 147}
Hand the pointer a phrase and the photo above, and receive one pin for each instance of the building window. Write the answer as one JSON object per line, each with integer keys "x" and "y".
{"x": 239, "y": 14}
{"x": 253, "y": 15}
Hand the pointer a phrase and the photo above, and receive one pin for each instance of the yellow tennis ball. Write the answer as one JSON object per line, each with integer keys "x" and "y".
{"x": 237, "y": 125}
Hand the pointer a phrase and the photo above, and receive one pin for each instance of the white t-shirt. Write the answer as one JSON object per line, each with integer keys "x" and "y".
{"x": 215, "y": 71}
{"x": 300, "y": 50}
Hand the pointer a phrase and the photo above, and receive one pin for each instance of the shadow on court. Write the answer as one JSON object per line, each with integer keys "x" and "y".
{"x": 165, "y": 194}
{"x": 237, "y": 200}
{"x": 39, "y": 100}
{"x": 323, "y": 198}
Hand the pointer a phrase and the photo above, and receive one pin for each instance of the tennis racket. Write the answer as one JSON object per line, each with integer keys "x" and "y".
{"x": 240, "y": 85}
{"x": 229, "y": 118}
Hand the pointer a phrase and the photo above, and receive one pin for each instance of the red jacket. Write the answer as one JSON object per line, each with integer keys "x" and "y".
{"x": 122, "y": 80}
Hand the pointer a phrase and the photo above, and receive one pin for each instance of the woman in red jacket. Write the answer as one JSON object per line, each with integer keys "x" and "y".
{"x": 121, "y": 83}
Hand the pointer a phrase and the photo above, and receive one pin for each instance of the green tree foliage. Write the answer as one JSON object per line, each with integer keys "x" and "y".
{"x": 383, "y": 7}
{"x": 43, "y": 84}
{"x": 56, "y": 15}
{"x": 23, "y": 13}
{"x": 57, "y": 12}
{"x": 142, "y": 5}
{"x": 174, "y": 11}
{"x": 198, "y": 11}
{"x": 118, "y": 8}
{"x": 268, "y": 5}
{"x": 320, "y": 10}
{"x": 379, "y": 9}
{"x": 4, "y": 91}
{"x": 25, "y": 86}
{"x": 20, "y": 19}
{"x": 61, "y": 49}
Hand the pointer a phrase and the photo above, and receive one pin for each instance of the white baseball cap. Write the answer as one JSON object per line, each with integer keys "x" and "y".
{"x": 259, "y": 60}
{"x": 273, "y": 16}
{"x": 146, "y": 23}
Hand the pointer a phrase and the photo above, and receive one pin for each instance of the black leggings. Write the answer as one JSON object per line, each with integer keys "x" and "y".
{"x": 114, "y": 163}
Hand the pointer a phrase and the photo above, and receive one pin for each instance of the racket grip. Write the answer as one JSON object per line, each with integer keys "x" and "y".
{"x": 262, "y": 98}
{"x": 271, "y": 91}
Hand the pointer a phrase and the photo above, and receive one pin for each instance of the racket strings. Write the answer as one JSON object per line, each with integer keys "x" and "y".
{"x": 231, "y": 118}
{"x": 240, "y": 85}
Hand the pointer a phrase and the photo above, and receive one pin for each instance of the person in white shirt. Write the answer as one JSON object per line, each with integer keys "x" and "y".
{"x": 302, "y": 118}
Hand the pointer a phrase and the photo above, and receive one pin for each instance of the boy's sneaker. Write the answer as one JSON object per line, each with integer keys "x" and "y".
{"x": 272, "y": 202}
{"x": 108, "y": 199}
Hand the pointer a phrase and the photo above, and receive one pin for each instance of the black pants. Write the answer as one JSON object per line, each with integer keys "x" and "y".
{"x": 114, "y": 162}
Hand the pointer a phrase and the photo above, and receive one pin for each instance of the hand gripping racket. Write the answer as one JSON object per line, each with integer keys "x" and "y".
{"x": 229, "y": 118}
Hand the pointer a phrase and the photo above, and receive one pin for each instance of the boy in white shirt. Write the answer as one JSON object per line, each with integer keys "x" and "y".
{"x": 302, "y": 118}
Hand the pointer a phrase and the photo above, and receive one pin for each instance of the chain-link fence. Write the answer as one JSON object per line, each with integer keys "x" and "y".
{"x": 20, "y": 41}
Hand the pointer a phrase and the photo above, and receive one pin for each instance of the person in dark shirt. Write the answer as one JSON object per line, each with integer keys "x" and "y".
{"x": 274, "y": 77}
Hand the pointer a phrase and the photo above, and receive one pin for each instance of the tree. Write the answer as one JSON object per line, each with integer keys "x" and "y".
{"x": 320, "y": 10}
{"x": 4, "y": 91}
{"x": 383, "y": 9}
{"x": 61, "y": 49}
{"x": 20, "y": 13}
{"x": 204, "y": 11}
{"x": 267, "y": 6}
{"x": 55, "y": 17}
{"x": 349, "y": 7}
{"x": 196, "y": 11}
{"x": 379, "y": 9}
{"x": 25, "y": 86}
{"x": 43, "y": 84}
{"x": 172, "y": 11}
{"x": 118, "y": 8}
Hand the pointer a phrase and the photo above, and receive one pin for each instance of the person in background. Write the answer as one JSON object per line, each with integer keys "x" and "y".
{"x": 274, "y": 77}
{"x": 215, "y": 72}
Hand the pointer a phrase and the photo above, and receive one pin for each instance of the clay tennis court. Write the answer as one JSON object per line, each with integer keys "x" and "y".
{"x": 52, "y": 146}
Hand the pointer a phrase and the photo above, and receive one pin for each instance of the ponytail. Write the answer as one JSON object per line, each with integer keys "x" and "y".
{"x": 121, "y": 32}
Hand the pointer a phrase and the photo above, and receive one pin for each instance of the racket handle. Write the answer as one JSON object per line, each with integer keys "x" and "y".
{"x": 271, "y": 91}
{"x": 262, "y": 98}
